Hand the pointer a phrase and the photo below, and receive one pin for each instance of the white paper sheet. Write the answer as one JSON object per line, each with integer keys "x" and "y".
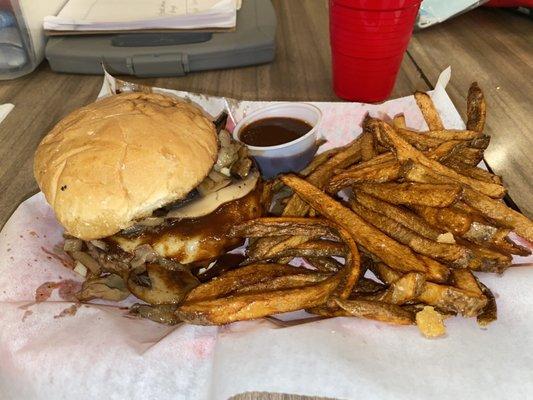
{"x": 89, "y": 15}
{"x": 98, "y": 353}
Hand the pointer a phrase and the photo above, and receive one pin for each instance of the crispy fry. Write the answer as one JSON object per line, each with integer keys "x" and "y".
{"x": 164, "y": 314}
{"x": 406, "y": 152}
{"x": 296, "y": 207}
{"x": 293, "y": 226}
{"x": 503, "y": 243}
{"x": 487, "y": 260}
{"x": 489, "y": 313}
{"x": 429, "y": 111}
{"x": 375, "y": 173}
{"x": 368, "y": 150}
{"x": 377, "y": 160}
{"x": 436, "y": 272}
{"x": 444, "y": 150}
{"x": 401, "y": 215}
{"x": 278, "y": 249}
{"x": 424, "y": 194}
{"x": 324, "y": 264}
{"x": 247, "y": 306}
{"x": 451, "y": 219}
{"x": 385, "y": 273}
{"x": 443, "y": 135}
{"x": 316, "y": 248}
{"x": 240, "y": 277}
{"x": 376, "y": 310}
{"x": 452, "y": 299}
{"x": 392, "y": 252}
{"x": 319, "y": 159}
{"x": 367, "y": 286}
{"x": 399, "y": 121}
{"x": 405, "y": 289}
{"x": 283, "y": 282}
{"x": 463, "y": 279}
{"x": 497, "y": 211}
{"x": 473, "y": 172}
{"x": 418, "y": 140}
{"x": 467, "y": 155}
{"x": 452, "y": 253}
{"x": 476, "y": 108}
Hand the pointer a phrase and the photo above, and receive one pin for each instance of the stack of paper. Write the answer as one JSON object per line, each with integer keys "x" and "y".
{"x": 123, "y": 15}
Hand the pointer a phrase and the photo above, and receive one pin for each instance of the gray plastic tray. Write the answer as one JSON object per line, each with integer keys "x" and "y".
{"x": 252, "y": 42}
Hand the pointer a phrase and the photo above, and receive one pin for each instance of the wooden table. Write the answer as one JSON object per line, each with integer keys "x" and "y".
{"x": 491, "y": 46}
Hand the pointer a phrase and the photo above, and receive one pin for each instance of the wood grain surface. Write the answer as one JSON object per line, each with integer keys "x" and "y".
{"x": 491, "y": 46}
{"x": 494, "y": 48}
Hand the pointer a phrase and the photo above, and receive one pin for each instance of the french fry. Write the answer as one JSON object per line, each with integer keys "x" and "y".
{"x": 406, "y": 152}
{"x": 487, "y": 260}
{"x": 418, "y": 140}
{"x": 319, "y": 159}
{"x": 451, "y": 219}
{"x": 444, "y": 150}
{"x": 377, "y": 173}
{"x": 241, "y": 277}
{"x": 436, "y": 272}
{"x": 476, "y": 109}
{"x": 367, "y": 286}
{"x": 376, "y": 310}
{"x": 463, "y": 279}
{"x": 275, "y": 249}
{"x": 424, "y": 194}
{"x": 404, "y": 289}
{"x": 280, "y": 226}
{"x": 489, "y": 313}
{"x": 283, "y": 282}
{"x": 368, "y": 150}
{"x": 385, "y": 273}
{"x": 452, "y": 299}
{"x": 309, "y": 248}
{"x": 350, "y": 154}
{"x": 248, "y": 306}
{"x": 392, "y": 252}
{"x": 431, "y": 116}
{"x": 497, "y": 211}
{"x": 503, "y": 243}
{"x": 444, "y": 297}
{"x": 452, "y": 253}
{"x": 467, "y": 155}
{"x": 399, "y": 122}
{"x": 443, "y": 135}
{"x": 401, "y": 215}
{"x": 324, "y": 264}
{"x": 473, "y": 172}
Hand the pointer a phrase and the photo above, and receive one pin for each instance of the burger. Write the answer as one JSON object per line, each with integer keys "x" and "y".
{"x": 141, "y": 179}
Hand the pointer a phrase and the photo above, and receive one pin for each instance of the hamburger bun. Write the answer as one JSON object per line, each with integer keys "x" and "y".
{"x": 120, "y": 158}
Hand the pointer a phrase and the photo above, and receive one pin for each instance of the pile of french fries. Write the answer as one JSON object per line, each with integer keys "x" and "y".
{"x": 410, "y": 213}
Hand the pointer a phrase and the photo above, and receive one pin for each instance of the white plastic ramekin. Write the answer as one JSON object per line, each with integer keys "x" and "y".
{"x": 288, "y": 157}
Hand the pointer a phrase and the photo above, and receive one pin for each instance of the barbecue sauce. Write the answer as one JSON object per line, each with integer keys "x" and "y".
{"x": 273, "y": 131}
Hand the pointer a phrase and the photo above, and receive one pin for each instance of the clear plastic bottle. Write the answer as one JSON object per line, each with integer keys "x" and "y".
{"x": 22, "y": 38}
{"x": 16, "y": 55}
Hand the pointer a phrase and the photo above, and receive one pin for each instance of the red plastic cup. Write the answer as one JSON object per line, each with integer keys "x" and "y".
{"x": 368, "y": 40}
{"x": 370, "y": 80}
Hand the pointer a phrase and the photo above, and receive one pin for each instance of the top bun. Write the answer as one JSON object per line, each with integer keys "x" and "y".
{"x": 120, "y": 158}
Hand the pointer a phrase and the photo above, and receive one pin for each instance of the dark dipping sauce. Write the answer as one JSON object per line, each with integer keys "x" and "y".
{"x": 273, "y": 131}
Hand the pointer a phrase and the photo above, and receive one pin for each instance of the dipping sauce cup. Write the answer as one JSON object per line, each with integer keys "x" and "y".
{"x": 287, "y": 157}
